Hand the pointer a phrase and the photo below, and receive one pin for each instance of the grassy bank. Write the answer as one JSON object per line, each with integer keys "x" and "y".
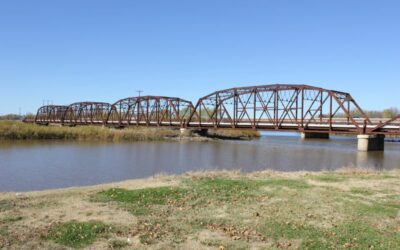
{"x": 225, "y": 210}
{"x": 26, "y": 131}
{"x": 13, "y": 130}
{"x": 233, "y": 134}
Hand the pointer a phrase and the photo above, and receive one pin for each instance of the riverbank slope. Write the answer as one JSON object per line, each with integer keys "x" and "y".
{"x": 346, "y": 209}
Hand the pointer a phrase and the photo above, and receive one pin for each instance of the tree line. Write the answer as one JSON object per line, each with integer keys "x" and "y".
{"x": 386, "y": 113}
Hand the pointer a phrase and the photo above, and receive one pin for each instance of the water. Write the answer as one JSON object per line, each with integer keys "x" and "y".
{"x": 26, "y": 166}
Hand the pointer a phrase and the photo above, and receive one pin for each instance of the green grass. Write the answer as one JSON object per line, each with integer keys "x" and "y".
{"x": 222, "y": 189}
{"x": 361, "y": 191}
{"x": 361, "y": 235}
{"x": 200, "y": 192}
{"x": 329, "y": 178}
{"x": 77, "y": 234}
{"x": 352, "y": 235}
{"x": 139, "y": 201}
{"x": 155, "y": 205}
{"x": 11, "y": 219}
{"x": 6, "y": 205}
{"x": 289, "y": 183}
{"x": 376, "y": 209}
{"x": 290, "y": 231}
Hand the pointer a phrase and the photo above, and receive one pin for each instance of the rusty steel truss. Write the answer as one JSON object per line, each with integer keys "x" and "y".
{"x": 86, "y": 113}
{"x": 280, "y": 107}
{"x": 389, "y": 127}
{"x": 150, "y": 111}
{"x": 50, "y": 114}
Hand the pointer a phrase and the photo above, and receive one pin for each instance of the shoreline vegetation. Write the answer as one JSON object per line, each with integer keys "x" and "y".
{"x": 344, "y": 209}
{"x": 14, "y": 130}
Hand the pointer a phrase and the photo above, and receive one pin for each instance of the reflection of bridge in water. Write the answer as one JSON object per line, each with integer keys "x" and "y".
{"x": 313, "y": 111}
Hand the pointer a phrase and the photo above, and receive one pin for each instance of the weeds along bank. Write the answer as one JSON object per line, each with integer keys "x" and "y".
{"x": 221, "y": 210}
{"x": 25, "y": 131}
{"x": 12, "y": 130}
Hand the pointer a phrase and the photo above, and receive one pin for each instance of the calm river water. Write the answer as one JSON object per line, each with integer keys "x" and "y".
{"x": 28, "y": 166}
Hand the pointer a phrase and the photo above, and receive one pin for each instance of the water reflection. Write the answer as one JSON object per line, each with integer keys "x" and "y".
{"x": 373, "y": 160}
{"x": 42, "y": 165}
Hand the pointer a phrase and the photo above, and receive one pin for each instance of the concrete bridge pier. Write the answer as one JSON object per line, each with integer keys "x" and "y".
{"x": 185, "y": 132}
{"x": 371, "y": 143}
{"x": 308, "y": 135}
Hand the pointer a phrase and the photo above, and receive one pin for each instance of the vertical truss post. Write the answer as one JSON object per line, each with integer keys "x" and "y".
{"x": 348, "y": 109}
{"x": 321, "y": 105}
{"x": 235, "y": 108}
{"x": 330, "y": 111}
{"x": 254, "y": 108}
{"x": 216, "y": 111}
{"x": 302, "y": 108}
{"x": 276, "y": 108}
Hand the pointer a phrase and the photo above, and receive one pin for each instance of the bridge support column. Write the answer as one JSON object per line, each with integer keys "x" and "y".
{"x": 371, "y": 143}
{"x": 308, "y": 135}
{"x": 202, "y": 132}
{"x": 185, "y": 132}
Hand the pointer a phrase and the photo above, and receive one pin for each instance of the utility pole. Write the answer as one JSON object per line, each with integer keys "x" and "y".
{"x": 139, "y": 92}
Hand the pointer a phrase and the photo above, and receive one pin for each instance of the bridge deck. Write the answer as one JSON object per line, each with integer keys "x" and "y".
{"x": 335, "y": 127}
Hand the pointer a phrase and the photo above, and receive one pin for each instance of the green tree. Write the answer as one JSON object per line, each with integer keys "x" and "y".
{"x": 390, "y": 113}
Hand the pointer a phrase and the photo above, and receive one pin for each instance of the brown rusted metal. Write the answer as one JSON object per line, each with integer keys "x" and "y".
{"x": 388, "y": 127}
{"x": 150, "y": 111}
{"x": 86, "y": 113}
{"x": 278, "y": 107}
{"x": 50, "y": 114}
{"x": 281, "y": 107}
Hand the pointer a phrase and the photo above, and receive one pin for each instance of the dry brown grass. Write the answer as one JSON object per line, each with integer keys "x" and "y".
{"x": 244, "y": 134}
{"x": 12, "y": 130}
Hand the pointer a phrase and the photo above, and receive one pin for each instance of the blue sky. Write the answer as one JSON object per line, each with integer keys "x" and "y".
{"x": 68, "y": 51}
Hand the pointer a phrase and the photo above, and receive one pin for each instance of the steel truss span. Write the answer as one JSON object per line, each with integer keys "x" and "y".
{"x": 150, "y": 111}
{"x": 280, "y": 107}
{"x": 50, "y": 114}
{"x": 86, "y": 113}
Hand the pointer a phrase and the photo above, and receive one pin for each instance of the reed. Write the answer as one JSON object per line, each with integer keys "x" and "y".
{"x": 12, "y": 130}
{"x": 234, "y": 134}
